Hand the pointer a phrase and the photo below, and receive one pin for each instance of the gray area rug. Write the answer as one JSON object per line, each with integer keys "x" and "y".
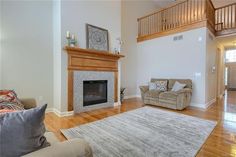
{"x": 144, "y": 132}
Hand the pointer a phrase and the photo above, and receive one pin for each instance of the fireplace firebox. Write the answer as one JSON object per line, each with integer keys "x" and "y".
{"x": 94, "y": 92}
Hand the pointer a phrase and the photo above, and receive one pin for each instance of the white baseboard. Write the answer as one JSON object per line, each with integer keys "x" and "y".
{"x": 203, "y": 106}
{"x": 59, "y": 113}
{"x": 132, "y": 96}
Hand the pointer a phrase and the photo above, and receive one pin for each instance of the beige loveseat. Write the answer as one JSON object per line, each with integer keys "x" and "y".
{"x": 169, "y": 99}
{"x": 70, "y": 148}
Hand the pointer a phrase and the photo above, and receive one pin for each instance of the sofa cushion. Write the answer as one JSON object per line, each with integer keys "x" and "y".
{"x": 152, "y": 94}
{"x": 171, "y": 83}
{"x": 168, "y": 95}
{"x": 161, "y": 85}
{"x": 22, "y": 132}
{"x": 152, "y": 86}
{"x": 177, "y": 86}
{"x": 9, "y": 100}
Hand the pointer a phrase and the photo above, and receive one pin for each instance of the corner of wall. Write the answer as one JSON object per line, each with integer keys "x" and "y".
{"x": 57, "y": 55}
{"x": 1, "y": 38}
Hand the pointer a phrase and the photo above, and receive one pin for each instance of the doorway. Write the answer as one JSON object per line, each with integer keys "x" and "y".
{"x": 230, "y": 69}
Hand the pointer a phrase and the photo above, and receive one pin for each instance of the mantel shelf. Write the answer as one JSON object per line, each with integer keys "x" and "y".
{"x": 77, "y": 50}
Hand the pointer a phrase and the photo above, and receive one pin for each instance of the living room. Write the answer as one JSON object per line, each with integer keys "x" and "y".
{"x": 151, "y": 75}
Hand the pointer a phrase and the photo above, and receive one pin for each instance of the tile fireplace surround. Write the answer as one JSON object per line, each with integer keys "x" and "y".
{"x": 87, "y": 64}
{"x": 79, "y": 77}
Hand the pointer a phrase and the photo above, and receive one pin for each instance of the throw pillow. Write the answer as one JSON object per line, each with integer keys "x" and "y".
{"x": 152, "y": 86}
{"x": 9, "y": 97}
{"x": 161, "y": 85}
{"x": 22, "y": 132}
{"x": 178, "y": 86}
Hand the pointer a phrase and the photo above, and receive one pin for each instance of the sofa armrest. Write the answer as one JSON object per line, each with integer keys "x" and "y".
{"x": 143, "y": 89}
{"x": 28, "y": 103}
{"x": 185, "y": 90}
{"x": 70, "y": 148}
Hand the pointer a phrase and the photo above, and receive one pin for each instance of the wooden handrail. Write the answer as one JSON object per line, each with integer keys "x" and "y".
{"x": 177, "y": 15}
{"x": 225, "y": 6}
{"x": 225, "y": 17}
{"x": 161, "y": 10}
{"x": 190, "y": 13}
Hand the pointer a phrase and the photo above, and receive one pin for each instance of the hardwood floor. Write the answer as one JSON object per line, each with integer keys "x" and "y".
{"x": 222, "y": 141}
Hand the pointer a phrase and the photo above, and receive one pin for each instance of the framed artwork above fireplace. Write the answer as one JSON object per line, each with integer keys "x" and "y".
{"x": 97, "y": 38}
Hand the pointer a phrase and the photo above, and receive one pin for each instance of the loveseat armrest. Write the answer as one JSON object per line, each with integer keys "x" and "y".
{"x": 28, "y": 103}
{"x": 185, "y": 90}
{"x": 70, "y": 148}
{"x": 143, "y": 89}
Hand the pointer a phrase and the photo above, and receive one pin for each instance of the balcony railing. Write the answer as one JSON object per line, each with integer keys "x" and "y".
{"x": 193, "y": 13}
{"x": 225, "y": 18}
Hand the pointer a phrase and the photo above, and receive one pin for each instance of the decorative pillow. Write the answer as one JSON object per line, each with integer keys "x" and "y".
{"x": 22, "y": 132}
{"x": 9, "y": 100}
{"x": 178, "y": 86}
{"x": 152, "y": 86}
{"x": 161, "y": 85}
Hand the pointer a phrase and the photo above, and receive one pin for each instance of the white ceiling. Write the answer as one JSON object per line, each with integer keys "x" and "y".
{"x": 228, "y": 42}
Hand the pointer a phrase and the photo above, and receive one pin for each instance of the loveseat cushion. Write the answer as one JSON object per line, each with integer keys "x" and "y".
{"x": 152, "y": 94}
{"x": 168, "y": 95}
{"x": 171, "y": 83}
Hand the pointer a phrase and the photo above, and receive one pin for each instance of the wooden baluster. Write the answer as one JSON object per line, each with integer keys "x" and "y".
{"x": 197, "y": 9}
{"x": 228, "y": 16}
{"x": 234, "y": 16}
{"x": 179, "y": 15}
{"x": 231, "y": 16}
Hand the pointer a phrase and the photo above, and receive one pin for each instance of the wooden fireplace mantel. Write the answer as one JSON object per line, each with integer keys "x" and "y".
{"x": 90, "y": 60}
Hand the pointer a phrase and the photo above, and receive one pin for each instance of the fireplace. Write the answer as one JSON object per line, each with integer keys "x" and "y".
{"x": 94, "y": 92}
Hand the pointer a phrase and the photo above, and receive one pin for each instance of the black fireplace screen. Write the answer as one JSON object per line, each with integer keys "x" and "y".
{"x": 94, "y": 92}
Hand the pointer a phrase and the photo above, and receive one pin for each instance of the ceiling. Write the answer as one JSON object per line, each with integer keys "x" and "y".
{"x": 165, "y": 3}
{"x": 227, "y": 41}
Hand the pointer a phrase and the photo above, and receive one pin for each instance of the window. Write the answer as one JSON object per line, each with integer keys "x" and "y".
{"x": 230, "y": 56}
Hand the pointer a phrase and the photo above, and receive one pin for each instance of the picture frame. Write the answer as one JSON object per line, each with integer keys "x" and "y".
{"x": 97, "y": 38}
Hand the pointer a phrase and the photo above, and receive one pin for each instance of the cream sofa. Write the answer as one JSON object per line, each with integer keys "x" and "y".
{"x": 70, "y": 148}
{"x": 169, "y": 99}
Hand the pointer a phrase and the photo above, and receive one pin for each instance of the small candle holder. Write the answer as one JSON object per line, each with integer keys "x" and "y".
{"x": 68, "y": 40}
{"x": 71, "y": 41}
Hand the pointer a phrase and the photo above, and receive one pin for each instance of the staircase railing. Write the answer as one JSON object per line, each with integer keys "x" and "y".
{"x": 225, "y": 17}
{"x": 184, "y": 13}
{"x": 189, "y": 13}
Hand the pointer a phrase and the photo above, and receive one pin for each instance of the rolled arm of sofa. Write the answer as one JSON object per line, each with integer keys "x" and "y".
{"x": 184, "y": 98}
{"x": 29, "y": 103}
{"x": 185, "y": 90}
{"x": 143, "y": 90}
{"x": 70, "y": 148}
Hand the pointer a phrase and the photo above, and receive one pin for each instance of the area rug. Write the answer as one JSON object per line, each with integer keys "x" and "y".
{"x": 144, "y": 132}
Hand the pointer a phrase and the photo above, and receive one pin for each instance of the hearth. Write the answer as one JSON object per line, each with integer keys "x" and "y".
{"x": 94, "y": 92}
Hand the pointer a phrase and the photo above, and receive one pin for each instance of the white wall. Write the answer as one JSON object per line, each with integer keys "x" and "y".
{"x": 232, "y": 75}
{"x": 27, "y": 51}
{"x": 220, "y": 70}
{"x": 211, "y": 76}
{"x": 57, "y": 54}
{"x": 1, "y": 38}
{"x": 74, "y": 16}
{"x": 131, "y": 11}
{"x": 164, "y": 58}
